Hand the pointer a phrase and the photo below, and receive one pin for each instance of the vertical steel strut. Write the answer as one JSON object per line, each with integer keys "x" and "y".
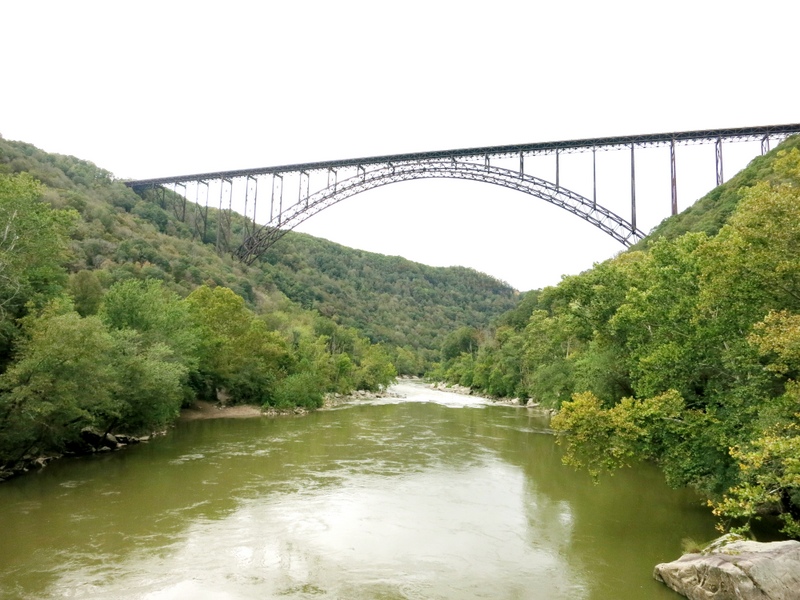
{"x": 594, "y": 177}
{"x": 245, "y": 232}
{"x": 182, "y": 215}
{"x": 673, "y": 177}
{"x": 300, "y": 187}
{"x": 557, "y": 171}
{"x": 521, "y": 164}
{"x": 765, "y": 144}
{"x": 280, "y": 199}
{"x": 718, "y": 152}
{"x": 335, "y": 178}
{"x": 633, "y": 191}
{"x": 224, "y": 216}
{"x": 203, "y": 211}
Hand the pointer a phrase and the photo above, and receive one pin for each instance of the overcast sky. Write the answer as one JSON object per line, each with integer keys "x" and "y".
{"x": 147, "y": 89}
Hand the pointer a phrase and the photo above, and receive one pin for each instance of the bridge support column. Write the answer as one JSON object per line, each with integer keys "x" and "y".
{"x": 558, "y": 185}
{"x": 182, "y": 214}
{"x": 765, "y": 144}
{"x": 200, "y": 212}
{"x": 594, "y": 177}
{"x": 276, "y": 176}
{"x": 718, "y": 153}
{"x": 246, "y": 232}
{"x": 332, "y": 171}
{"x": 224, "y": 219}
{"x": 307, "y": 177}
{"x": 521, "y": 164}
{"x": 633, "y": 191}
{"x": 673, "y": 177}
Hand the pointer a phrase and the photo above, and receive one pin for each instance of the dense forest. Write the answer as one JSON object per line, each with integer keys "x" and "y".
{"x": 684, "y": 350}
{"x": 114, "y": 313}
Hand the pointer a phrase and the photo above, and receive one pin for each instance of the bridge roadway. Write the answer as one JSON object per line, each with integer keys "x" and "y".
{"x": 465, "y": 163}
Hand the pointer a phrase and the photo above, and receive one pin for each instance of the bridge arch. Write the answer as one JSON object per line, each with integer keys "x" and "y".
{"x": 388, "y": 173}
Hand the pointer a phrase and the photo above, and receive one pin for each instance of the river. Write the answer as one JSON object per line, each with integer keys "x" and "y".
{"x": 429, "y": 496}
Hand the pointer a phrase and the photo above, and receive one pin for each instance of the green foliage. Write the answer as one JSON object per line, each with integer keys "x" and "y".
{"x": 33, "y": 243}
{"x": 300, "y": 389}
{"x": 149, "y": 385}
{"x": 710, "y": 213}
{"x": 388, "y": 299}
{"x": 237, "y": 353}
{"x": 685, "y": 352}
{"x": 63, "y": 380}
{"x": 462, "y": 340}
{"x": 86, "y": 291}
{"x": 161, "y": 318}
{"x": 375, "y": 370}
{"x": 73, "y": 372}
{"x": 160, "y": 236}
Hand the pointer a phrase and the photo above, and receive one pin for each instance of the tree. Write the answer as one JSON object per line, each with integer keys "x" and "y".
{"x": 149, "y": 383}
{"x": 463, "y": 339}
{"x": 86, "y": 292}
{"x": 238, "y": 352}
{"x": 769, "y": 465}
{"x": 33, "y": 244}
{"x": 375, "y": 369}
{"x": 63, "y": 380}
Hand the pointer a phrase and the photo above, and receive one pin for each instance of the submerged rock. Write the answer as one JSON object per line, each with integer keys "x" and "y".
{"x": 732, "y": 568}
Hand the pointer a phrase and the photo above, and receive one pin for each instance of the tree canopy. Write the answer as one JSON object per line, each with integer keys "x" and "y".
{"x": 684, "y": 351}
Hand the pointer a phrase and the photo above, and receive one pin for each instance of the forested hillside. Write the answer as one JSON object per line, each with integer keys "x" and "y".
{"x": 684, "y": 351}
{"x": 388, "y": 299}
{"x": 114, "y": 312}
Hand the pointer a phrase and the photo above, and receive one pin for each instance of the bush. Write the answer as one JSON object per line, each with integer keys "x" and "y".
{"x": 300, "y": 389}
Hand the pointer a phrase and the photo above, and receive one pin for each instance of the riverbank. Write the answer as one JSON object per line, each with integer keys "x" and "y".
{"x": 516, "y": 402}
{"x": 202, "y": 409}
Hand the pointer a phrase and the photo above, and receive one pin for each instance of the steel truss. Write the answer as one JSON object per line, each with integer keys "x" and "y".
{"x": 348, "y": 177}
{"x": 380, "y": 175}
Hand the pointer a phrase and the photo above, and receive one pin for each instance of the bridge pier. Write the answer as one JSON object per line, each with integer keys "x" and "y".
{"x": 594, "y": 177}
{"x": 633, "y": 189}
{"x": 765, "y": 144}
{"x": 673, "y": 177}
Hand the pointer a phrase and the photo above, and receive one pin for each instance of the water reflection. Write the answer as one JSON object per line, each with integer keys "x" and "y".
{"x": 441, "y": 497}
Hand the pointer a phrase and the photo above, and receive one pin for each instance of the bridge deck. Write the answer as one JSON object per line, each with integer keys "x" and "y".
{"x": 567, "y": 146}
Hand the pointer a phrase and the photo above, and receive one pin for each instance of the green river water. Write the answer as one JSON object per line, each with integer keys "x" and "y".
{"x": 431, "y": 496}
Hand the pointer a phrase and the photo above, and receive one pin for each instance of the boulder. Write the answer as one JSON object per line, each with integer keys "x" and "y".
{"x": 91, "y": 437}
{"x": 732, "y": 568}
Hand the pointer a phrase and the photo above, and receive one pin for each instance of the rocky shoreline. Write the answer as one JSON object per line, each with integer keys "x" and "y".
{"x": 336, "y": 400}
{"x": 518, "y": 402}
{"x": 734, "y": 568}
{"x": 91, "y": 442}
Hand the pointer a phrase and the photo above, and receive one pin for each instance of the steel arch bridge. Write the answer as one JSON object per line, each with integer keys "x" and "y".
{"x": 342, "y": 179}
{"x": 381, "y": 175}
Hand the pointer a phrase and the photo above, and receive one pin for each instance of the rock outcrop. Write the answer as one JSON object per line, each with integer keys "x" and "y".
{"x": 732, "y": 568}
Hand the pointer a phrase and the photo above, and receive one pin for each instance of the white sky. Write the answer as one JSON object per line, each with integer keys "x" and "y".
{"x": 147, "y": 89}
